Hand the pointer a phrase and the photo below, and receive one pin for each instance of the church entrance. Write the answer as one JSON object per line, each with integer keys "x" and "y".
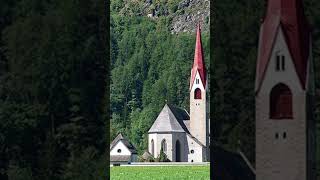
{"x": 178, "y": 149}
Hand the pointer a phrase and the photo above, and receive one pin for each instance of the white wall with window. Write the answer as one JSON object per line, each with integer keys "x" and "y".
{"x": 120, "y": 149}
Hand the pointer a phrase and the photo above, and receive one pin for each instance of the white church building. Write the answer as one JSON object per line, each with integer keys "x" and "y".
{"x": 184, "y": 136}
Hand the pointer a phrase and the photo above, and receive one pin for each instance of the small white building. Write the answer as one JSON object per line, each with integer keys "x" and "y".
{"x": 122, "y": 151}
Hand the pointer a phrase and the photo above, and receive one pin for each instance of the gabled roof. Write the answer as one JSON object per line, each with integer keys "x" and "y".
{"x": 289, "y": 15}
{"x": 198, "y": 62}
{"x": 120, "y": 158}
{"x": 170, "y": 119}
{"x": 125, "y": 141}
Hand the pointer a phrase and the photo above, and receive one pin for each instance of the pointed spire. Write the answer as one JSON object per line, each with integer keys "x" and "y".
{"x": 198, "y": 62}
{"x": 289, "y": 15}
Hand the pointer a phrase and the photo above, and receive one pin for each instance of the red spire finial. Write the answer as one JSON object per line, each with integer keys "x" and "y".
{"x": 198, "y": 63}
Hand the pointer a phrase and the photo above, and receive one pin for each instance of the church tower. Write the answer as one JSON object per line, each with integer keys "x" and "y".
{"x": 284, "y": 90}
{"x": 198, "y": 102}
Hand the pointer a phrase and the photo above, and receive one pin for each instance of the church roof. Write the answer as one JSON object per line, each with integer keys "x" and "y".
{"x": 289, "y": 15}
{"x": 125, "y": 141}
{"x": 198, "y": 62}
{"x": 170, "y": 119}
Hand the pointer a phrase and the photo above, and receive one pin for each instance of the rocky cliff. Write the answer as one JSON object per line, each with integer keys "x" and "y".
{"x": 183, "y": 15}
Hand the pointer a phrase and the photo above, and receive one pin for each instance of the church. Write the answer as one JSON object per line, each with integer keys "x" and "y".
{"x": 184, "y": 136}
{"x": 284, "y": 94}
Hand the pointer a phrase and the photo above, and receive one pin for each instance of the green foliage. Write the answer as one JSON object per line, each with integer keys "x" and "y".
{"x": 150, "y": 66}
{"x": 162, "y": 157}
{"x": 19, "y": 173}
{"x": 87, "y": 165}
{"x": 52, "y": 85}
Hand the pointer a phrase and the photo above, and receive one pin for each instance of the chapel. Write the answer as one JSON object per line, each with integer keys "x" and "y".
{"x": 184, "y": 135}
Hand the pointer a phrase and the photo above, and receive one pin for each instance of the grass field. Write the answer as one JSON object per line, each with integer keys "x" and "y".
{"x": 160, "y": 172}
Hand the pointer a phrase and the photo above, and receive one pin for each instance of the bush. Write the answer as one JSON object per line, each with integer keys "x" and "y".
{"x": 162, "y": 157}
{"x": 19, "y": 173}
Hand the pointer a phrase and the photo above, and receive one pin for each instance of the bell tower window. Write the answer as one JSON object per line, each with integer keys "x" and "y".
{"x": 197, "y": 94}
{"x": 280, "y": 102}
{"x": 280, "y": 62}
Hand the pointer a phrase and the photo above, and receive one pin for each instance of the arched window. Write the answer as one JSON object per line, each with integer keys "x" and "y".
{"x": 281, "y": 102}
{"x": 197, "y": 94}
{"x": 164, "y": 145}
{"x": 152, "y": 147}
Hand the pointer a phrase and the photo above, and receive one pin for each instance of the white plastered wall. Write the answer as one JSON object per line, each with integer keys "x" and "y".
{"x": 124, "y": 150}
{"x": 198, "y": 114}
{"x": 282, "y": 158}
{"x": 198, "y": 155}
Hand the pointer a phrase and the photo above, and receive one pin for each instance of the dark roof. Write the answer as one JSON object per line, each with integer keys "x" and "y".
{"x": 289, "y": 15}
{"x": 196, "y": 140}
{"x": 170, "y": 119}
{"x": 120, "y": 158}
{"x": 229, "y": 165}
{"x": 182, "y": 116}
{"x": 125, "y": 141}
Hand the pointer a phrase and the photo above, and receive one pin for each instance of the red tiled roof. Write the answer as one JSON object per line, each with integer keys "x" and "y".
{"x": 289, "y": 15}
{"x": 198, "y": 63}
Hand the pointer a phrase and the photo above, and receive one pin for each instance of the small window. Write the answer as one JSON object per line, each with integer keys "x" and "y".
{"x": 284, "y": 135}
{"x": 192, "y": 160}
{"x": 197, "y": 81}
{"x": 283, "y": 63}
{"x": 197, "y": 94}
{"x": 152, "y": 147}
{"x": 164, "y": 145}
{"x": 277, "y": 135}
{"x": 119, "y": 150}
{"x": 192, "y": 151}
{"x": 278, "y": 63}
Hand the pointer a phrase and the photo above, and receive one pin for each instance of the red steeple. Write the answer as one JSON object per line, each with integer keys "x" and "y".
{"x": 289, "y": 15}
{"x": 198, "y": 62}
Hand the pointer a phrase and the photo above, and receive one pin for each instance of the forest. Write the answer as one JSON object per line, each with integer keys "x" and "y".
{"x": 53, "y": 95}
{"x": 150, "y": 67}
{"x": 55, "y": 72}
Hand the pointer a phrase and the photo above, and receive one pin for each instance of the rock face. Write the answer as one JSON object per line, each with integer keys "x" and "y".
{"x": 184, "y": 15}
{"x": 193, "y": 12}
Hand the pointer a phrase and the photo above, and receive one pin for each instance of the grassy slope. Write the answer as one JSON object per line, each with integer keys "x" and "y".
{"x": 160, "y": 172}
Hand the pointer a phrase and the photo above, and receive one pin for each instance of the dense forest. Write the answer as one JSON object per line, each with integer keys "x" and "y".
{"x": 150, "y": 67}
{"x": 149, "y": 76}
{"x": 53, "y": 74}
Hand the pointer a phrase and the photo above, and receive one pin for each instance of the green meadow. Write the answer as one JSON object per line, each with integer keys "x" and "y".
{"x": 160, "y": 172}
